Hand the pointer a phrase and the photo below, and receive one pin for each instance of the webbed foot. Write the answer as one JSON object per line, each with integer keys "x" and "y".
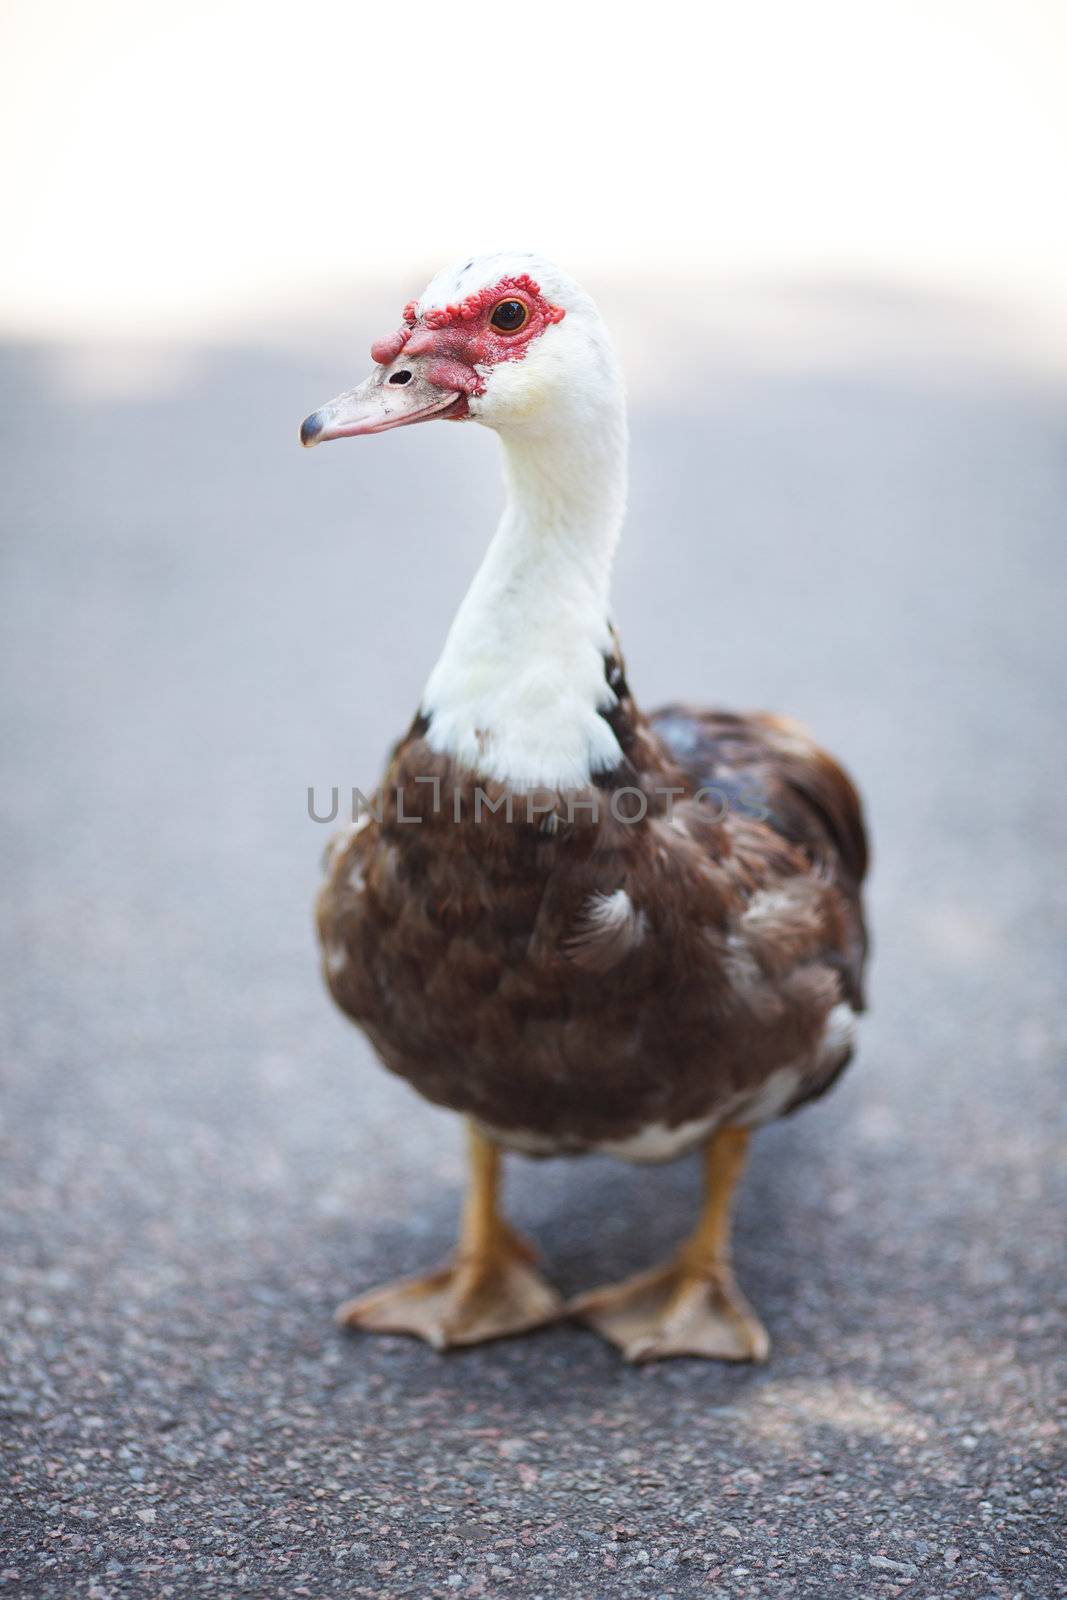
{"x": 469, "y": 1300}
{"x": 674, "y": 1311}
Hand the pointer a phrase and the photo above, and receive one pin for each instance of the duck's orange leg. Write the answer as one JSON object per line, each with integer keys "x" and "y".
{"x": 490, "y": 1288}
{"x": 692, "y": 1306}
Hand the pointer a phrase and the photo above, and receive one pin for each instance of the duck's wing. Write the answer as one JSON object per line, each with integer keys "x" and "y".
{"x": 771, "y": 769}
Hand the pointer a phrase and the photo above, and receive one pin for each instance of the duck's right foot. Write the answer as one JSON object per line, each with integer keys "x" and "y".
{"x": 474, "y": 1298}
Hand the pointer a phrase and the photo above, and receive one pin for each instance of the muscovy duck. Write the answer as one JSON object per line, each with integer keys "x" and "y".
{"x": 581, "y": 927}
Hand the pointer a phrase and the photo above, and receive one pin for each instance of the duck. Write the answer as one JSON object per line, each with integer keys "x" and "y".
{"x": 582, "y": 928}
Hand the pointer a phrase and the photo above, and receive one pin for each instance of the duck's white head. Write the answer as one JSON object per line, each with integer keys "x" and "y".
{"x": 507, "y": 340}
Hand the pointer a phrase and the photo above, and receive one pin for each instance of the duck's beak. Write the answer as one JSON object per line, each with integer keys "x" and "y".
{"x": 391, "y": 397}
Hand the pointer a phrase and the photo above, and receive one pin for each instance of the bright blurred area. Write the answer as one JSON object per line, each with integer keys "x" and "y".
{"x": 230, "y": 168}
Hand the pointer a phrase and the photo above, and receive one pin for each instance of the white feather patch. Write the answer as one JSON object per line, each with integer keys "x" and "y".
{"x": 609, "y": 927}
{"x": 771, "y": 1099}
{"x": 657, "y": 1142}
{"x": 336, "y": 959}
{"x": 839, "y": 1035}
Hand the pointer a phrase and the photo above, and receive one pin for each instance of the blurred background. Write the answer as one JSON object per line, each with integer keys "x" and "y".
{"x": 831, "y": 241}
{"x": 202, "y": 173}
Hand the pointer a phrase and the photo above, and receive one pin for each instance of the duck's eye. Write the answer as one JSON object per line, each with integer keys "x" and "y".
{"x": 509, "y": 316}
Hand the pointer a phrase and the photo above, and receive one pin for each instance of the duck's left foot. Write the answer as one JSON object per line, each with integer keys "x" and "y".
{"x": 475, "y": 1298}
{"x": 674, "y": 1311}
{"x": 692, "y": 1306}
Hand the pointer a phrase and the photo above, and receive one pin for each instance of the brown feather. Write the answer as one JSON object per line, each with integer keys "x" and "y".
{"x": 494, "y": 965}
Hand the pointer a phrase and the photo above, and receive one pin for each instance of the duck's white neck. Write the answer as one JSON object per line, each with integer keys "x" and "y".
{"x": 517, "y": 693}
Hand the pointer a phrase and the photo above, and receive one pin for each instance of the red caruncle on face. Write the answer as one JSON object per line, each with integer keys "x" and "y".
{"x": 459, "y": 338}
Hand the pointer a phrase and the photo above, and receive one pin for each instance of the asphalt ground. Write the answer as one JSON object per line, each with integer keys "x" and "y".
{"x": 200, "y": 1158}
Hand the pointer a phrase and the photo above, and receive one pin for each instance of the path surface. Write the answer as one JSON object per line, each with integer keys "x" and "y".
{"x": 199, "y": 1158}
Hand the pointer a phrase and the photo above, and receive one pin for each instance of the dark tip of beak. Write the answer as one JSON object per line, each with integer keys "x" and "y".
{"x": 311, "y": 427}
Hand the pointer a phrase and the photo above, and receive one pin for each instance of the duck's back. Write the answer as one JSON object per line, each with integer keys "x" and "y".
{"x": 770, "y": 766}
